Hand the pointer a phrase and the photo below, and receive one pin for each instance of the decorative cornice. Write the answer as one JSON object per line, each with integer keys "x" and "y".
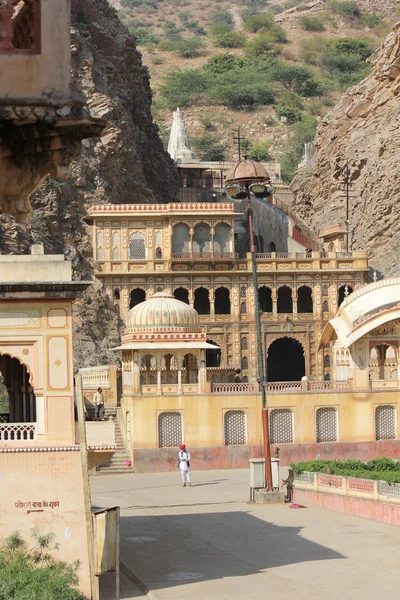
{"x": 179, "y": 207}
{"x": 10, "y": 449}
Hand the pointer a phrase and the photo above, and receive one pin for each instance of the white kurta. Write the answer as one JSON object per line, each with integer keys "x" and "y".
{"x": 184, "y": 458}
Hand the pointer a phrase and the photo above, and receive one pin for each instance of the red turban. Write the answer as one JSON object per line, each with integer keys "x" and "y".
{"x": 182, "y": 446}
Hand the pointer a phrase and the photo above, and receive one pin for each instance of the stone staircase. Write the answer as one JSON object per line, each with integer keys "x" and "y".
{"x": 117, "y": 463}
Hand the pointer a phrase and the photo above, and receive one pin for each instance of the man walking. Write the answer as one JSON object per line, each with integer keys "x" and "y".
{"x": 98, "y": 400}
{"x": 184, "y": 465}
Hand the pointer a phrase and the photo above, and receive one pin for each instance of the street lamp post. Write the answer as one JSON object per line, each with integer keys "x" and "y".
{"x": 243, "y": 179}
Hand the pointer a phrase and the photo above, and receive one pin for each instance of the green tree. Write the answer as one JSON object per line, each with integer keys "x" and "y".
{"x": 298, "y": 79}
{"x": 230, "y": 39}
{"x": 190, "y": 47}
{"x": 241, "y": 89}
{"x": 221, "y": 63}
{"x": 311, "y": 24}
{"x": 347, "y": 8}
{"x": 260, "y": 21}
{"x": 184, "y": 88}
{"x": 209, "y": 147}
{"x": 258, "y": 45}
{"x": 33, "y": 574}
{"x": 259, "y": 151}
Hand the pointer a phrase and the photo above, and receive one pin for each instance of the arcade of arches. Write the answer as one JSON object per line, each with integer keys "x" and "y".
{"x": 17, "y": 399}
{"x": 285, "y": 360}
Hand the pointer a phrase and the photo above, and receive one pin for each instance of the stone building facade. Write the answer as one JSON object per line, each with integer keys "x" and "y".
{"x": 190, "y": 249}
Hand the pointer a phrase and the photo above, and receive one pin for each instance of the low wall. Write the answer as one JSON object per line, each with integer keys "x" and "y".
{"x": 359, "y": 507}
{"x": 237, "y": 457}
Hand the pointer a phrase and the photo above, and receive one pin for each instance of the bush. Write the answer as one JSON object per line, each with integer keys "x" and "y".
{"x": 157, "y": 60}
{"x": 241, "y": 89}
{"x": 34, "y": 574}
{"x": 172, "y": 31}
{"x": 192, "y": 26}
{"x": 261, "y": 21}
{"x": 184, "y": 88}
{"x": 259, "y": 151}
{"x": 290, "y": 112}
{"x": 348, "y": 45}
{"x": 209, "y": 147}
{"x": 221, "y": 63}
{"x": 143, "y": 35}
{"x": 298, "y": 79}
{"x": 230, "y": 39}
{"x": 347, "y": 8}
{"x": 311, "y": 24}
{"x": 189, "y": 48}
{"x": 384, "y": 469}
{"x": 258, "y": 45}
{"x": 302, "y": 132}
{"x": 370, "y": 20}
{"x": 221, "y": 21}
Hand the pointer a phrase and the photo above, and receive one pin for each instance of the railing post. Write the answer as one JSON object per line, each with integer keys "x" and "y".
{"x": 316, "y": 482}
{"x": 345, "y": 486}
{"x": 376, "y": 490}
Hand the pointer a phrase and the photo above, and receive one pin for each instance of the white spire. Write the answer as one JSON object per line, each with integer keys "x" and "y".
{"x": 179, "y": 145}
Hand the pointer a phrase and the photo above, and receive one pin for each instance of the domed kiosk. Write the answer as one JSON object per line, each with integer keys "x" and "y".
{"x": 163, "y": 348}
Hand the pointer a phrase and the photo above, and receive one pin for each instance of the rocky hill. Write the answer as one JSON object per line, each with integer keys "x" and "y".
{"x": 128, "y": 164}
{"x": 364, "y": 130}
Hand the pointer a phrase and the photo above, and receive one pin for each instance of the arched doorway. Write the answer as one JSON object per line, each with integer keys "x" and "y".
{"x": 343, "y": 292}
{"x": 17, "y": 398}
{"x": 137, "y": 296}
{"x": 285, "y": 302}
{"x": 202, "y": 301}
{"x": 213, "y": 357}
{"x": 182, "y": 294}
{"x": 222, "y": 301}
{"x": 285, "y": 360}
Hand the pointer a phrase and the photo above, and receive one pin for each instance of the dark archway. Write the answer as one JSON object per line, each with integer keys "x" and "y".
{"x": 202, "y": 301}
{"x": 182, "y": 294}
{"x": 285, "y": 302}
{"x": 222, "y": 301}
{"x": 137, "y": 296}
{"x": 271, "y": 247}
{"x": 18, "y": 402}
{"x": 343, "y": 293}
{"x": 285, "y": 360}
{"x": 213, "y": 357}
{"x": 117, "y": 294}
{"x": 265, "y": 299}
{"x": 304, "y": 299}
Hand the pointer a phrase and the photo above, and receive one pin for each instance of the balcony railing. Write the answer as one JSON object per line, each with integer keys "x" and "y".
{"x": 202, "y": 255}
{"x": 314, "y": 255}
{"x": 234, "y": 388}
{"x": 94, "y": 377}
{"x": 281, "y": 387}
{"x": 17, "y": 432}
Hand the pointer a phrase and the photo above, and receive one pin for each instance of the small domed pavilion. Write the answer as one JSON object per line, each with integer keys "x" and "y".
{"x": 163, "y": 348}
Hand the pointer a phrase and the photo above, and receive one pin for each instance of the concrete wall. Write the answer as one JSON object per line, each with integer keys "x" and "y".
{"x": 44, "y": 75}
{"x": 44, "y": 478}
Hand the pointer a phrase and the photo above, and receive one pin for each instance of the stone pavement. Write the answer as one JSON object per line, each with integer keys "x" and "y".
{"x": 208, "y": 543}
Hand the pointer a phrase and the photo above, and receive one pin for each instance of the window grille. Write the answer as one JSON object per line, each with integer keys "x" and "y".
{"x": 245, "y": 379}
{"x": 202, "y": 239}
{"x": 245, "y": 362}
{"x": 281, "y": 426}
{"x": 181, "y": 239}
{"x": 214, "y": 379}
{"x": 100, "y": 254}
{"x": 327, "y": 361}
{"x": 222, "y": 239}
{"x": 152, "y": 380}
{"x": 99, "y": 238}
{"x": 243, "y": 308}
{"x": 325, "y": 306}
{"x": 244, "y": 343}
{"x": 115, "y": 253}
{"x": 235, "y": 428}
{"x": 327, "y": 424}
{"x": 394, "y": 374}
{"x": 137, "y": 248}
{"x": 325, "y": 289}
{"x": 223, "y": 378}
{"x": 170, "y": 429}
{"x": 158, "y": 238}
{"x": 115, "y": 238}
{"x": 385, "y": 422}
{"x": 243, "y": 291}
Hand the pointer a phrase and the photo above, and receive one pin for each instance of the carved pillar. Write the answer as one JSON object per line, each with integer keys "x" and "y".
{"x": 191, "y": 231}
{"x": 235, "y": 304}
{"x": 333, "y": 293}
{"x": 191, "y": 297}
{"x": 317, "y": 304}
{"x": 274, "y": 295}
{"x": 294, "y": 300}
{"x": 179, "y": 361}
{"x": 124, "y": 300}
{"x": 212, "y": 302}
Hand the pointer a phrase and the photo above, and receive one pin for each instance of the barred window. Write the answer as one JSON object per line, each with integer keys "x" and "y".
{"x": 243, "y": 308}
{"x": 243, "y": 343}
{"x": 325, "y": 289}
{"x": 115, "y": 238}
{"x": 137, "y": 249}
{"x": 181, "y": 239}
{"x": 115, "y": 253}
{"x": 281, "y": 426}
{"x": 245, "y": 362}
{"x": 325, "y": 306}
{"x": 327, "y": 361}
{"x": 385, "y": 422}
{"x": 235, "y": 428}
{"x": 100, "y": 254}
{"x": 158, "y": 238}
{"x": 243, "y": 291}
{"x": 327, "y": 429}
{"x": 170, "y": 429}
{"x": 99, "y": 238}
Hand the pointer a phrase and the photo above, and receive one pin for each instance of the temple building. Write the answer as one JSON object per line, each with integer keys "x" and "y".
{"x": 199, "y": 252}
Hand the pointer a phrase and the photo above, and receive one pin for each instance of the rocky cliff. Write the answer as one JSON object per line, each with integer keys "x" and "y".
{"x": 364, "y": 130}
{"x": 127, "y": 165}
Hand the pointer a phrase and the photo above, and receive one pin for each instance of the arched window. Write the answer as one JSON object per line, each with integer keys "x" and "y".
{"x": 327, "y": 429}
{"x": 245, "y": 379}
{"x": 191, "y": 368}
{"x": 394, "y": 374}
{"x": 148, "y": 363}
{"x": 231, "y": 378}
{"x": 385, "y": 422}
{"x": 325, "y": 307}
{"x": 158, "y": 253}
{"x": 137, "y": 248}
{"x": 281, "y": 426}
{"x": 115, "y": 254}
{"x": 202, "y": 301}
{"x": 158, "y": 238}
{"x": 202, "y": 239}
{"x": 243, "y": 291}
{"x": 137, "y": 296}
{"x": 325, "y": 289}
{"x": 222, "y": 301}
{"x": 343, "y": 293}
{"x": 117, "y": 294}
{"x": 170, "y": 433}
{"x": 18, "y": 400}
{"x": 100, "y": 254}
{"x": 100, "y": 238}
{"x": 285, "y": 302}
{"x": 271, "y": 247}
{"x": 115, "y": 238}
{"x": 182, "y": 294}
{"x": 304, "y": 299}
{"x": 235, "y": 428}
{"x": 243, "y": 343}
{"x": 265, "y": 299}
{"x": 327, "y": 361}
{"x": 245, "y": 363}
{"x": 222, "y": 239}
{"x": 243, "y": 308}
{"x": 181, "y": 239}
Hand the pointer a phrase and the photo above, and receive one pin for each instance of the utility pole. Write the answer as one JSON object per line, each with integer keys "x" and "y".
{"x": 347, "y": 183}
{"x": 239, "y": 141}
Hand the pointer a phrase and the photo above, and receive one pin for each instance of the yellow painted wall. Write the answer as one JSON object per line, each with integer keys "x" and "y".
{"x": 203, "y": 416}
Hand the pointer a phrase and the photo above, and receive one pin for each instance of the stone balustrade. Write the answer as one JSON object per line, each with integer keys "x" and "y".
{"x": 17, "y": 432}
{"x": 94, "y": 377}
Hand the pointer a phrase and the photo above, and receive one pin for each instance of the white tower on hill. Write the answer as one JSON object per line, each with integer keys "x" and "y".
{"x": 179, "y": 145}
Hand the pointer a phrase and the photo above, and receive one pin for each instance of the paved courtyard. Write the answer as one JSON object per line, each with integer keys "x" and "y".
{"x": 208, "y": 543}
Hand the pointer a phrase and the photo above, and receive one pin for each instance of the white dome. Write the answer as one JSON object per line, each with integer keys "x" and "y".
{"x": 162, "y": 310}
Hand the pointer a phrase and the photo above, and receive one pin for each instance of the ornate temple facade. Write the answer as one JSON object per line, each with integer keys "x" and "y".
{"x": 192, "y": 250}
